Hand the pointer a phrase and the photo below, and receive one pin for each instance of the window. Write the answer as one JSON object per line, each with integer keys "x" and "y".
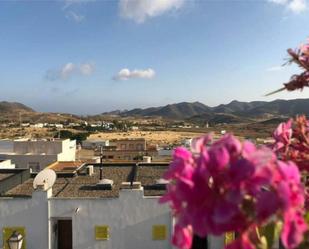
{"x": 123, "y": 146}
{"x": 199, "y": 242}
{"x": 229, "y": 237}
{"x": 101, "y": 232}
{"x": 159, "y": 232}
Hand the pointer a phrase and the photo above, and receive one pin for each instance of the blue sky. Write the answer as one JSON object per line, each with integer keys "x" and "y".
{"x": 87, "y": 57}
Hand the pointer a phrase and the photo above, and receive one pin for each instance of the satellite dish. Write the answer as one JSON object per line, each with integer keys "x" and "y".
{"x": 45, "y": 179}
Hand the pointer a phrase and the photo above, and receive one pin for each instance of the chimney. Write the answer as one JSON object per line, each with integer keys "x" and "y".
{"x": 90, "y": 170}
{"x": 146, "y": 159}
{"x": 131, "y": 185}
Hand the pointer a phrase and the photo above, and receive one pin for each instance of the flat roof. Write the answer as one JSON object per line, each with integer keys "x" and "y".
{"x": 82, "y": 185}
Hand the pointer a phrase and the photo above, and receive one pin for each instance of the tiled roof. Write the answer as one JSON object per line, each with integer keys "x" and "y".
{"x": 66, "y": 166}
{"x": 84, "y": 186}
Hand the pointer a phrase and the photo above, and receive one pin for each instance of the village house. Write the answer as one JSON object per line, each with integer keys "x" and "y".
{"x": 37, "y": 154}
{"x": 114, "y": 206}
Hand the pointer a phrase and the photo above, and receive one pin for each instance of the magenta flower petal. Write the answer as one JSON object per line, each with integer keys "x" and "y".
{"x": 182, "y": 237}
{"x": 293, "y": 229}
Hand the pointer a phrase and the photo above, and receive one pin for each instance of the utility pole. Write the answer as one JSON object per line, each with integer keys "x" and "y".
{"x": 101, "y": 162}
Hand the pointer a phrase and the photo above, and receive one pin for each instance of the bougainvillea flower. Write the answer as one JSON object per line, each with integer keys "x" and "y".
{"x": 299, "y": 57}
{"x": 228, "y": 186}
{"x": 293, "y": 229}
{"x": 283, "y": 134}
{"x": 182, "y": 237}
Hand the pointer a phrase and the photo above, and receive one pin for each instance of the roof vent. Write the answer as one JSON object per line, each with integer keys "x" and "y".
{"x": 105, "y": 184}
{"x": 160, "y": 184}
{"x": 131, "y": 185}
{"x": 90, "y": 170}
{"x": 146, "y": 159}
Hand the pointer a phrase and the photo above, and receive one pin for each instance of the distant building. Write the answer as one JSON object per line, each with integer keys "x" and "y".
{"x": 187, "y": 142}
{"x": 134, "y": 128}
{"x": 37, "y": 154}
{"x": 60, "y": 126}
{"x": 94, "y": 144}
{"x": 127, "y": 149}
{"x": 38, "y": 125}
{"x": 134, "y": 144}
{"x": 25, "y": 124}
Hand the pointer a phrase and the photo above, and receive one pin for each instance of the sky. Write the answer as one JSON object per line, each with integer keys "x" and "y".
{"x": 92, "y": 56}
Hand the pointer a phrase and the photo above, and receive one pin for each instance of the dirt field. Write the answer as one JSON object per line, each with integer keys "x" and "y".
{"x": 152, "y": 137}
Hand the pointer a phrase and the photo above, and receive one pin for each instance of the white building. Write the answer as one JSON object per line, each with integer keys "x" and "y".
{"x": 78, "y": 213}
{"x": 37, "y": 154}
{"x": 38, "y": 125}
{"x": 187, "y": 142}
{"x": 93, "y": 144}
{"x": 6, "y": 164}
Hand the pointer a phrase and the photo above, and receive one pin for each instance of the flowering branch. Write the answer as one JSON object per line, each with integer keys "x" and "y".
{"x": 297, "y": 81}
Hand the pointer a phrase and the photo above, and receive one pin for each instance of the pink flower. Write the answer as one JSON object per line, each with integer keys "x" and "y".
{"x": 293, "y": 229}
{"x": 181, "y": 167}
{"x": 233, "y": 186}
{"x": 199, "y": 144}
{"x": 182, "y": 237}
{"x": 304, "y": 49}
{"x": 283, "y": 135}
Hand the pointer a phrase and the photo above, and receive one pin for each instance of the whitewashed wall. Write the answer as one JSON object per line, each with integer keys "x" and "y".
{"x": 31, "y": 213}
{"x": 129, "y": 217}
{"x": 6, "y": 146}
{"x": 7, "y": 164}
{"x": 22, "y": 161}
{"x": 68, "y": 150}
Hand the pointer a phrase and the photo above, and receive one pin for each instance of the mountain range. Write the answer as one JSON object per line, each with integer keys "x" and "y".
{"x": 233, "y": 112}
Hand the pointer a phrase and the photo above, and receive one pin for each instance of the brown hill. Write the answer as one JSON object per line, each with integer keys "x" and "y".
{"x": 14, "y": 107}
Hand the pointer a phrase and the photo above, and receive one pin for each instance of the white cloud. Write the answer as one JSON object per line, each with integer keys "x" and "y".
{"x": 126, "y": 74}
{"x": 140, "y": 10}
{"x": 296, "y": 6}
{"x": 68, "y": 70}
{"x": 279, "y": 1}
{"x": 275, "y": 68}
{"x": 71, "y": 15}
{"x": 69, "y": 3}
{"x": 87, "y": 68}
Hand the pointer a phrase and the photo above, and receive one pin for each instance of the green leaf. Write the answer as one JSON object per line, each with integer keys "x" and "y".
{"x": 270, "y": 232}
{"x": 307, "y": 217}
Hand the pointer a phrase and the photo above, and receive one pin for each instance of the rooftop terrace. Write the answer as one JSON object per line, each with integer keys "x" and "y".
{"x": 79, "y": 184}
